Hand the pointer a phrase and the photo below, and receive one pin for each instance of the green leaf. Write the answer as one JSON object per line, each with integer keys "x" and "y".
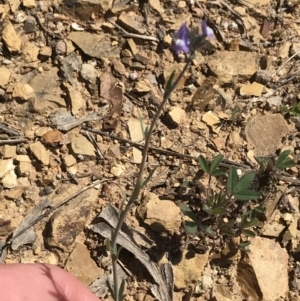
{"x": 170, "y": 82}
{"x": 259, "y": 209}
{"x": 260, "y": 162}
{"x": 207, "y": 209}
{"x": 249, "y": 233}
{"x": 188, "y": 212}
{"x": 245, "y": 181}
{"x": 282, "y": 156}
{"x": 208, "y": 230}
{"x": 219, "y": 210}
{"x": 245, "y": 244}
{"x": 215, "y": 163}
{"x": 222, "y": 200}
{"x": 283, "y": 161}
{"x": 232, "y": 180}
{"x": 211, "y": 200}
{"x": 246, "y": 195}
{"x": 121, "y": 290}
{"x": 203, "y": 163}
{"x": 227, "y": 231}
{"x": 218, "y": 172}
{"x": 149, "y": 177}
{"x": 250, "y": 224}
{"x": 110, "y": 288}
{"x": 191, "y": 227}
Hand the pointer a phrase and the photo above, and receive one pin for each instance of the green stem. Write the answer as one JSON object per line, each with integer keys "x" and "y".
{"x": 137, "y": 187}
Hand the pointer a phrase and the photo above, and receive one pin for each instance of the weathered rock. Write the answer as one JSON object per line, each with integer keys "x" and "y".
{"x": 22, "y": 91}
{"x": 136, "y": 134}
{"x": 117, "y": 170}
{"x": 29, "y": 3}
{"x": 81, "y": 265}
{"x": 5, "y": 76}
{"x": 119, "y": 68}
{"x": 10, "y": 180}
{"x": 142, "y": 86}
{"x": 185, "y": 272}
{"x": 227, "y": 64}
{"x": 46, "y": 52}
{"x": 84, "y": 9}
{"x": 68, "y": 222}
{"x": 81, "y": 146}
{"x": 6, "y": 166}
{"x": 76, "y": 99}
{"x": 156, "y": 5}
{"x": 212, "y": 120}
{"x": 25, "y": 168}
{"x": 14, "y": 5}
{"x": 95, "y": 45}
{"x": 132, "y": 23}
{"x": 265, "y": 264}
{"x": 89, "y": 73}
{"x": 69, "y": 160}
{"x": 47, "y": 92}
{"x": 11, "y": 39}
{"x": 30, "y": 52}
{"x": 264, "y": 133}
{"x": 29, "y": 25}
{"x": 284, "y": 50}
{"x": 9, "y": 151}
{"x": 254, "y": 89}
{"x": 14, "y": 194}
{"x": 40, "y": 152}
{"x": 176, "y": 115}
{"x": 153, "y": 213}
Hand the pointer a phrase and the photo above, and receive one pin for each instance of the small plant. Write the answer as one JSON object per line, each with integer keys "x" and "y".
{"x": 218, "y": 211}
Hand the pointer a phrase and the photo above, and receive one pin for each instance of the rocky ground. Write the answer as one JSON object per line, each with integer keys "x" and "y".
{"x": 77, "y": 80}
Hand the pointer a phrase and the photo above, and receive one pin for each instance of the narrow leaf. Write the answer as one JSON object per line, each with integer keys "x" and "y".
{"x": 246, "y": 195}
{"x": 170, "y": 82}
{"x": 227, "y": 231}
{"x": 110, "y": 288}
{"x": 207, "y": 209}
{"x": 245, "y": 244}
{"x": 208, "y": 230}
{"x": 203, "y": 163}
{"x": 188, "y": 211}
{"x": 245, "y": 181}
{"x": 282, "y": 156}
{"x": 232, "y": 180}
{"x": 250, "y": 224}
{"x": 222, "y": 200}
{"x": 121, "y": 290}
{"x": 149, "y": 177}
{"x": 215, "y": 163}
{"x": 190, "y": 227}
{"x": 249, "y": 233}
{"x": 218, "y": 172}
{"x": 219, "y": 210}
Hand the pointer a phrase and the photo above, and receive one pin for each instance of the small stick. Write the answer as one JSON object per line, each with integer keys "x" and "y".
{"x": 8, "y": 130}
{"x": 146, "y": 14}
{"x": 225, "y": 163}
{"x": 133, "y": 35}
{"x": 92, "y": 139}
{"x": 285, "y": 63}
{"x": 12, "y": 141}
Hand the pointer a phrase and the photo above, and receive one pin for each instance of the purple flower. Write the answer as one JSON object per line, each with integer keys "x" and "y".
{"x": 182, "y": 39}
{"x": 207, "y": 31}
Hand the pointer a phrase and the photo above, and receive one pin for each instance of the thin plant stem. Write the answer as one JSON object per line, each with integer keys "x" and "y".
{"x": 138, "y": 185}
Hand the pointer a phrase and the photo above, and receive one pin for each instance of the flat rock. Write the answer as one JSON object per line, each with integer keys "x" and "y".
{"x": 253, "y": 89}
{"x": 84, "y": 9}
{"x": 117, "y": 170}
{"x": 69, "y": 160}
{"x": 68, "y": 222}
{"x": 88, "y": 73}
{"x": 9, "y": 151}
{"x": 30, "y": 52}
{"x": 47, "y": 92}
{"x": 10, "y": 180}
{"x": 132, "y": 23}
{"x": 81, "y": 265}
{"x": 22, "y": 91}
{"x": 227, "y": 64}
{"x": 40, "y": 152}
{"x": 153, "y": 213}
{"x": 176, "y": 115}
{"x": 264, "y": 133}
{"x": 81, "y": 146}
{"x": 76, "y": 99}
{"x": 5, "y": 76}
{"x": 29, "y": 3}
{"x": 185, "y": 272}
{"x": 136, "y": 134}
{"x": 11, "y": 39}
{"x": 6, "y": 166}
{"x": 265, "y": 265}
{"x": 95, "y": 45}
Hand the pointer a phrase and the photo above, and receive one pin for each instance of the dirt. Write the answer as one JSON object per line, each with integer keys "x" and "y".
{"x": 80, "y": 83}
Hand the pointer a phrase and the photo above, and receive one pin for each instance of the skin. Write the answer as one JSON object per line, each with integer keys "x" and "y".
{"x": 36, "y": 282}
